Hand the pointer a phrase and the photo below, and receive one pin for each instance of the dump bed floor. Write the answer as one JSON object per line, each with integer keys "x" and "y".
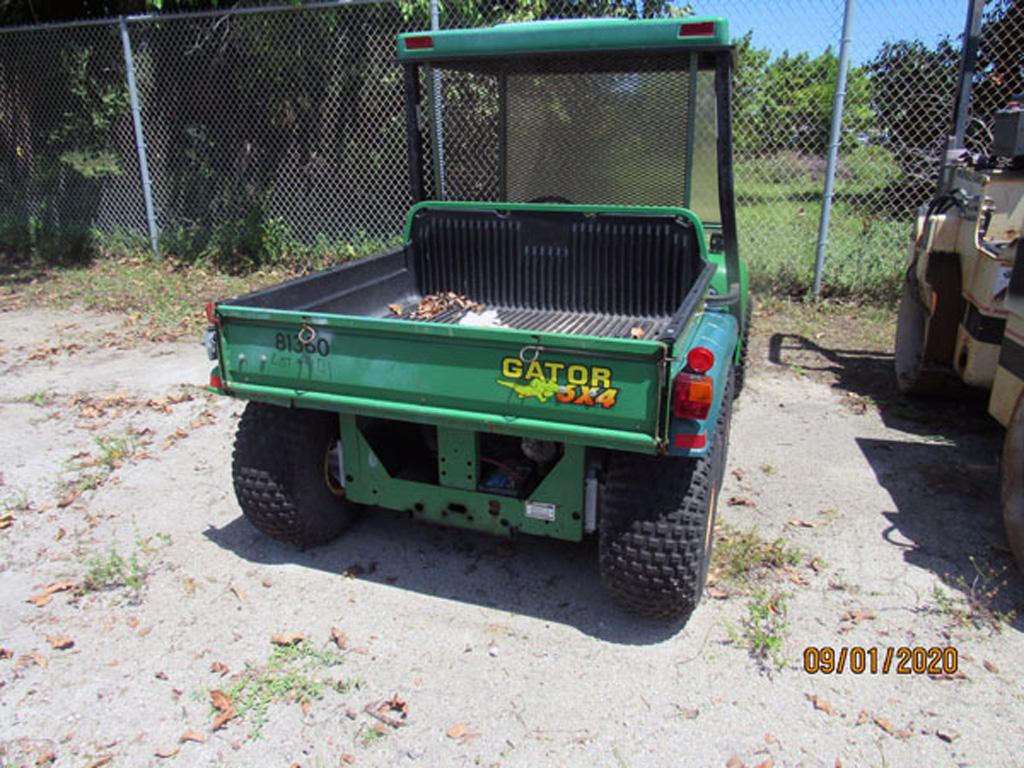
{"x": 552, "y": 321}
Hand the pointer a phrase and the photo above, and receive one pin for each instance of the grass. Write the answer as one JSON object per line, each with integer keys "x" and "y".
{"x": 161, "y": 299}
{"x": 764, "y": 628}
{"x": 114, "y": 449}
{"x": 40, "y": 398}
{"x": 740, "y": 556}
{"x": 114, "y": 571}
{"x": 292, "y": 673}
{"x": 977, "y": 604}
{"x": 16, "y": 501}
{"x": 779, "y": 204}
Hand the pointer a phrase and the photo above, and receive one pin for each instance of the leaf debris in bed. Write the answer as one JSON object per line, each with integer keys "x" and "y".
{"x": 434, "y": 304}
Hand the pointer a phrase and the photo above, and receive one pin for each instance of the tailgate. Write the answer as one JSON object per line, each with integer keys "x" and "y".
{"x": 588, "y": 390}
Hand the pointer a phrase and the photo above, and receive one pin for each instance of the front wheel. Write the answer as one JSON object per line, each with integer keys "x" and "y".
{"x": 657, "y": 524}
{"x": 286, "y": 474}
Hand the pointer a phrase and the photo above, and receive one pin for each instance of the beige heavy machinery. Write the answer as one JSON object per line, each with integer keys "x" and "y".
{"x": 961, "y": 317}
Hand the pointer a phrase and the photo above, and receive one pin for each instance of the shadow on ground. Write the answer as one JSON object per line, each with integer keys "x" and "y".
{"x": 946, "y": 490}
{"x": 550, "y": 580}
{"x": 947, "y": 517}
{"x": 865, "y": 377}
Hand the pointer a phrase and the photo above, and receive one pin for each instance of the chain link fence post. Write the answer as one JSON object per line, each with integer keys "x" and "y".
{"x": 835, "y": 136}
{"x": 140, "y": 138}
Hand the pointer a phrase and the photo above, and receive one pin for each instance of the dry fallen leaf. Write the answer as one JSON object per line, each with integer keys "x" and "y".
{"x": 238, "y": 593}
{"x": 821, "y": 704}
{"x": 69, "y": 499}
{"x": 167, "y": 752}
{"x": 991, "y": 667}
{"x": 636, "y": 332}
{"x": 947, "y": 735}
{"x": 60, "y": 642}
{"x": 223, "y": 718}
{"x": 100, "y": 761}
{"x": 766, "y": 763}
{"x": 306, "y": 708}
{"x": 740, "y": 501}
{"x": 287, "y": 638}
{"x": 396, "y": 308}
{"x": 219, "y": 668}
{"x": 885, "y": 725}
{"x": 47, "y": 757}
{"x": 6, "y": 653}
{"x": 858, "y": 616}
{"x": 225, "y": 709}
{"x": 738, "y": 473}
{"x": 457, "y": 731}
{"x": 340, "y": 638}
{"x": 6, "y": 520}
{"x": 39, "y": 659}
{"x": 348, "y": 758}
{"x": 802, "y": 523}
{"x": 735, "y": 762}
{"x": 197, "y": 736}
{"x": 220, "y": 701}
{"x": 46, "y": 595}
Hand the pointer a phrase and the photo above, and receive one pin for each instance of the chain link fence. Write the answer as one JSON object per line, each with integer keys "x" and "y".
{"x": 270, "y": 130}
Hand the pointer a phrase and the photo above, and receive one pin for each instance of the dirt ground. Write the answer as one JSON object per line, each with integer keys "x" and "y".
{"x": 130, "y": 588}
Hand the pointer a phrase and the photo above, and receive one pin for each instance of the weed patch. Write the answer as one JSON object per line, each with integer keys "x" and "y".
{"x": 739, "y": 556}
{"x": 764, "y": 628}
{"x": 292, "y": 674}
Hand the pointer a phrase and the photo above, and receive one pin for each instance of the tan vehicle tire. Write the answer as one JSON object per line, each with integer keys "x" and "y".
{"x": 1012, "y": 482}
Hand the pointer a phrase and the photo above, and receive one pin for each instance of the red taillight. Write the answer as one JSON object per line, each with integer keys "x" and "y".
{"x": 419, "y": 43}
{"x": 211, "y": 313}
{"x": 697, "y": 29}
{"x": 692, "y": 396}
{"x": 215, "y": 381}
{"x": 691, "y": 442}
{"x": 700, "y": 359}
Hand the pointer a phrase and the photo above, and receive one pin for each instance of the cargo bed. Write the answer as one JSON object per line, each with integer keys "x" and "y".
{"x": 607, "y": 275}
{"x": 547, "y": 300}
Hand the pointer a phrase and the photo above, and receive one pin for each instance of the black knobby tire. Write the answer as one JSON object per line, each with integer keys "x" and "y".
{"x": 656, "y": 526}
{"x": 280, "y": 474}
{"x": 741, "y": 365}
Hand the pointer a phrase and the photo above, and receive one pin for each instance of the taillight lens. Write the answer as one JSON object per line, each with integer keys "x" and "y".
{"x": 697, "y": 29}
{"x": 211, "y": 313}
{"x": 700, "y": 360}
{"x": 419, "y": 43}
{"x": 692, "y": 396}
{"x": 215, "y": 381}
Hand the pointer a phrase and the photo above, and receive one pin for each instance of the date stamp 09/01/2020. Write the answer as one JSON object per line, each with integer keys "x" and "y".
{"x": 900, "y": 660}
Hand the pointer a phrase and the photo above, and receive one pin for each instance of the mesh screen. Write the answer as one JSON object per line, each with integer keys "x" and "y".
{"x": 611, "y": 137}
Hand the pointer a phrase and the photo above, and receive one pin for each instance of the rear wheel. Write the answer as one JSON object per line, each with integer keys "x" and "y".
{"x": 657, "y": 519}
{"x": 1012, "y": 482}
{"x": 286, "y": 474}
{"x": 741, "y": 365}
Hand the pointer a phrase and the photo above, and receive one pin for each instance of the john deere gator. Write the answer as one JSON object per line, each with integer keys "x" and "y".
{"x": 554, "y": 347}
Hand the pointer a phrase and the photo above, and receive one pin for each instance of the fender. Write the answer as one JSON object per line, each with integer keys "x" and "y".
{"x": 716, "y": 330}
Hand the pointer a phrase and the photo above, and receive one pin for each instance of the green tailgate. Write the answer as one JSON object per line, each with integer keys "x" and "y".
{"x": 607, "y": 390}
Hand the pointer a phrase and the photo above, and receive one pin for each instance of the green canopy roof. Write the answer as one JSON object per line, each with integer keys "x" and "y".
{"x": 570, "y": 36}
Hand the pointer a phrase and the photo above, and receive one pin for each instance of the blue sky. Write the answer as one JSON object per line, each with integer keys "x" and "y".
{"x": 811, "y": 25}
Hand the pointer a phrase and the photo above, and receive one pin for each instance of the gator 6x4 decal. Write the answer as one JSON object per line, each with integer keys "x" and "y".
{"x": 565, "y": 383}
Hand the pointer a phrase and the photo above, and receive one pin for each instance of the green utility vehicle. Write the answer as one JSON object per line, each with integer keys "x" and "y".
{"x": 554, "y": 347}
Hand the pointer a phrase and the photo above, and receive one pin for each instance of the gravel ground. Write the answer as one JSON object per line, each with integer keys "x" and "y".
{"x": 485, "y": 651}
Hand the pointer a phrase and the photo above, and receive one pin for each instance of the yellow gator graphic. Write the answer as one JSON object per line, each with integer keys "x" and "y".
{"x": 569, "y": 384}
